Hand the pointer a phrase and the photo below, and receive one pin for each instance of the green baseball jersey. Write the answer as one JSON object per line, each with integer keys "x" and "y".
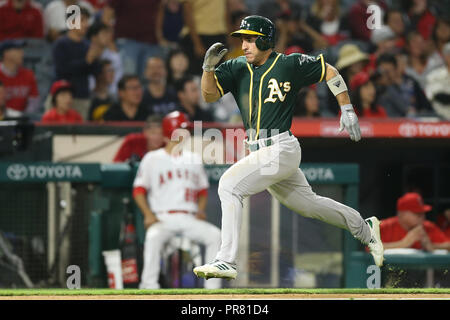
{"x": 266, "y": 95}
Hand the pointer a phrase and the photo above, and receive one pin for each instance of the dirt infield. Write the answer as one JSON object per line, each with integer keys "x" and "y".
{"x": 237, "y": 297}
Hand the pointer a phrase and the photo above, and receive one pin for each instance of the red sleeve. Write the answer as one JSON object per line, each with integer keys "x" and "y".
{"x": 435, "y": 234}
{"x": 202, "y": 193}
{"x": 124, "y": 152}
{"x": 357, "y": 19}
{"x": 139, "y": 190}
{"x": 77, "y": 116}
{"x": 47, "y": 117}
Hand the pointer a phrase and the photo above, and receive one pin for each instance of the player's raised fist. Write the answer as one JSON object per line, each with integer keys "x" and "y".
{"x": 214, "y": 54}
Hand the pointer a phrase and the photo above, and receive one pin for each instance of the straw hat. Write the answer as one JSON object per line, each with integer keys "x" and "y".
{"x": 350, "y": 54}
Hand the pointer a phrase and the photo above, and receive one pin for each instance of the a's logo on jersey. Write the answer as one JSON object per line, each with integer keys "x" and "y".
{"x": 275, "y": 90}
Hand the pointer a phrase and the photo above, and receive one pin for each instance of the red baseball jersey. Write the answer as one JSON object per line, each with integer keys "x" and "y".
{"x": 19, "y": 88}
{"x": 392, "y": 231}
{"x": 133, "y": 144}
{"x": 26, "y": 23}
{"x": 52, "y": 116}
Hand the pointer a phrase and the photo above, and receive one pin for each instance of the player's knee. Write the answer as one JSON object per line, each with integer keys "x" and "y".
{"x": 225, "y": 188}
{"x": 154, "y": 235}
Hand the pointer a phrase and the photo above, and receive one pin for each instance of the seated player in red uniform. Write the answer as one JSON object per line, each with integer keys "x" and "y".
{"x": 62, "y": 101}
{"x": 136, "y": 145}
{"x": 410, "y": 229}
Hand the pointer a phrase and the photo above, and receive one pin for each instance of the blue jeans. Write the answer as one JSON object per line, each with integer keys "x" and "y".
{"x": 134, "y": 55}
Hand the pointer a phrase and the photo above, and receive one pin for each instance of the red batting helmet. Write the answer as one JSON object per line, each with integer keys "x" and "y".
{"x": 172, "y": 121}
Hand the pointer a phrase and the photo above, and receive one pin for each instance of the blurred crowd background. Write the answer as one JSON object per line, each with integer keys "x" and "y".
{"x": 135, "y": 58}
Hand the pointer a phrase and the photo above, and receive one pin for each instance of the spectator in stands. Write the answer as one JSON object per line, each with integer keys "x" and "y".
{"x": 75, "y": 59}
{"x": 188, "y": 94}
{"x": 438, "y": 86}
{"x": 136, "y": 145}
{"x": 358, "y": 16}
{"x": 102, "y": 99}
{"x": 294, "y": 33}
{"x": 205, "y": 23}
{"x": 364, "y": 97}
{"x": 129, "y": 107}
{"x": 21, "y": 19}
{"x": 410, "y": 229}
{"x": 55, "y": 16}
{"x": 440, "y": 36}
{"x": 134, "y": 23}
{"x": 22, "y": 94}
{"x": 443, "y": 221}
{"x": 169, "y": 23}
{"x": 420, "y": 17}
{"x": 62, "y": 101}
{"x": 104, "y": 35}
{"x": 177, "y": 65}
{"x": 327, "y": 19}
{"x": 275, "y": 9}
{"x": 159, "y": 97}
{"x": 395, "y": 20}
{"x": 351, "y": 60}
{"x": 384, "y": 40}
{"x": 417, "y": 64}
{"x": 400, "y": 95}
{"x": 307, "y": 103}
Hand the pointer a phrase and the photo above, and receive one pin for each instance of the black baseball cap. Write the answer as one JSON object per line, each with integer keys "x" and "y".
{"x": 11, "y": 44}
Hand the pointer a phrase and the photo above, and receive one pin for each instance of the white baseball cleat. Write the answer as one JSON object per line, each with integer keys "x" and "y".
{"x": 217, "y": 269}
{"x": 375, "y": 245}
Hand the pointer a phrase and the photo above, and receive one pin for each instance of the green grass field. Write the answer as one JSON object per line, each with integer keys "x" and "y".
{"x": 65, "y": 292}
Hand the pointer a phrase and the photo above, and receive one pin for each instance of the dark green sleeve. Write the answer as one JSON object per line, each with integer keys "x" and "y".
{"x": 224, "y": 77}
{"x": 309, "y": 69}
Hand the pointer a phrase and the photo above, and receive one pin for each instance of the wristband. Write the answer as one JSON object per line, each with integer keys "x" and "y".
{"x": 337, "y": 85}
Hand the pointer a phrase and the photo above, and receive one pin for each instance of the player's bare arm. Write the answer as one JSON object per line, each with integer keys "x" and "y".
{"x": 149, "y": 216}
{"x": 209, "y": 86}
{"x": 202, "y": 201}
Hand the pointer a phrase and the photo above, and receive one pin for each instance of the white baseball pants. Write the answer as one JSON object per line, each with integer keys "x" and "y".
{"x": 276, "y": 168}
{"x": 169, "y": 225}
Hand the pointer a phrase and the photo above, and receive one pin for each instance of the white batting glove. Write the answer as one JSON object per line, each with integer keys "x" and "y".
{"x": 213, "y": 56}
{"x": 349, "y": 122}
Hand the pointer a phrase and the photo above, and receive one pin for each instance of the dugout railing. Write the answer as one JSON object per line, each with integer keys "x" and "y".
{"x": 61, "y": 214}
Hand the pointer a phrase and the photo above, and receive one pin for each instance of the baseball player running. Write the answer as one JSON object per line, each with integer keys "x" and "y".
{"x": 264, "y": 84}
{"x": 170, "y": 188}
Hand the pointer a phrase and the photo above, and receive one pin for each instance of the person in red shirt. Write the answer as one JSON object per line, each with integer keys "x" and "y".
{"x": 62, "y": 100}
{"x": 21, "y": 88}
{"x": 358, "y": 16}
{"x": 21, "y": 19}
{"x": 443, "y": 221}
{"x": 136, "y": 145}
{"x": 363, "y": 94}
{"x": 410, "y": 229}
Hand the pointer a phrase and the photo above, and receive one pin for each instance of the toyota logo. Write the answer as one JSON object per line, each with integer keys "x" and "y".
{"x": 17, "y": 172}
{"x": 408, "y": 130}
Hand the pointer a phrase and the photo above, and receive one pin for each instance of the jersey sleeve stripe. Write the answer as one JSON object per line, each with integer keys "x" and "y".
{"x": 139, "y": 190}
{"x": 322, "y": 61}
{"x": 219, "y": 86}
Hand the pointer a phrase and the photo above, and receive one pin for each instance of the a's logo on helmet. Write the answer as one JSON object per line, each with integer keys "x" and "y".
{"x": 17, "y": 172}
